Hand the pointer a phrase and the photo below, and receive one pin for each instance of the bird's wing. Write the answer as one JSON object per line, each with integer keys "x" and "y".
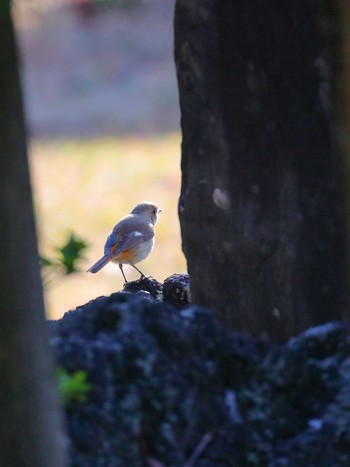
{"x": 112, "y": 242}
{"x": 116, "y": 242}
{"x": 132, "y": 240}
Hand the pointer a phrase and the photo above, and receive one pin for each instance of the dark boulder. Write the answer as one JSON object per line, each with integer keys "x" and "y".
{"x": 167, "y": 381}
{"x": 176, "y": 290}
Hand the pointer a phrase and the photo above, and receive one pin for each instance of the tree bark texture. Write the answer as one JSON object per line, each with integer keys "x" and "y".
{"x": 31, "y": 423}
{"x": 341, "y": 14}
{"x": 260, "y": 208}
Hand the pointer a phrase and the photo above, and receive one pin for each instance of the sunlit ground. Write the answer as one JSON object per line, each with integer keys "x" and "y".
{"x": 86, "y": 187}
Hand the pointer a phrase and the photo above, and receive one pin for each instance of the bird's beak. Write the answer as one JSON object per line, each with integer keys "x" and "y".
{"x": 159, "y": 211}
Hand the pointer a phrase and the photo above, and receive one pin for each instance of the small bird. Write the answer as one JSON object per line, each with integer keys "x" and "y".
{"x": 131, "y": 239}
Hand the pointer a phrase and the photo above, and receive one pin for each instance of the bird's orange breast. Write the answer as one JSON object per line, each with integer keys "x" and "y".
{"x": 126, "y": 256}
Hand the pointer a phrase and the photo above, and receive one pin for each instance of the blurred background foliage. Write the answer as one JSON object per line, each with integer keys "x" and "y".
{"x": 103, "y": 119}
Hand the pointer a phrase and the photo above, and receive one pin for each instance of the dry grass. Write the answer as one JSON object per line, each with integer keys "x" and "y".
{"x": 86, "y": 186}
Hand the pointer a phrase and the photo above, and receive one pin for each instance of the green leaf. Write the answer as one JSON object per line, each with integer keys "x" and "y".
{"x": 71, "y": 252}
{"x": 72, "y": 387}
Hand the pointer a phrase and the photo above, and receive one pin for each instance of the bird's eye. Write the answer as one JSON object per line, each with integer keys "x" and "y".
{"x": 155, "y": 210}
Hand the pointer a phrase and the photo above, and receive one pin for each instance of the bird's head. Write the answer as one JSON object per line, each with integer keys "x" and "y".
{"x": 147, "y": 210}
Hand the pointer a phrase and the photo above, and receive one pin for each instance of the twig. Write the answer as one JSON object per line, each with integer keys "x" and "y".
{"x": 199, "y": 449}
{"x": 50, "y": 277}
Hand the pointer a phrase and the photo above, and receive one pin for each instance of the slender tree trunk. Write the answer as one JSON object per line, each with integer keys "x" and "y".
{"x": 342, "y": 96}
{"x": 31, "y": 422}
{"x": 260, "y": 208}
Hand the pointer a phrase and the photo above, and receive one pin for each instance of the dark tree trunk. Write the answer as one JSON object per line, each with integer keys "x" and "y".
{"x": 260, "y": 207}
{"x": 342, "y": 96}
{"x": 31, "y": 423}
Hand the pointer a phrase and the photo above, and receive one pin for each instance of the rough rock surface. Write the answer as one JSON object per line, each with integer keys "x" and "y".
{"x": 166, "y": 382}
{"x": 176, "y": 290}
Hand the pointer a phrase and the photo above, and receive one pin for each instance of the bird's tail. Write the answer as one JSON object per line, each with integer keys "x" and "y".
{"x": 99, "y": 264}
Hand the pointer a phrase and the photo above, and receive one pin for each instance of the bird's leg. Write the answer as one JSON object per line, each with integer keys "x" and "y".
{"x": 121, "y": 268}
{"x": 137, "y": 269}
